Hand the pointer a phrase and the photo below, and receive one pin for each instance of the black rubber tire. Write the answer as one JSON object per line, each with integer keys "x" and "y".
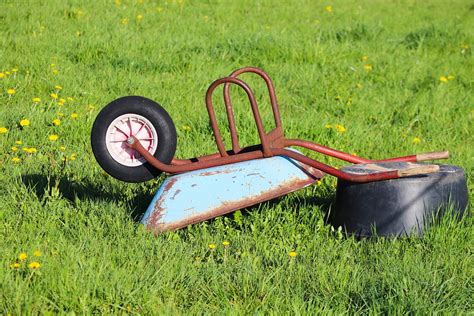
{"x": 160, "y": 120}
{"x": 399, "y": 207}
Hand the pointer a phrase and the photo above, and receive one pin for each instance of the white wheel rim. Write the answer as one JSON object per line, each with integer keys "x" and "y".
{"x": 121, "y": 129}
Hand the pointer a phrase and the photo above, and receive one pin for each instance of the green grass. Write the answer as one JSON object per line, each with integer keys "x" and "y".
{"x": 96, "y": 258}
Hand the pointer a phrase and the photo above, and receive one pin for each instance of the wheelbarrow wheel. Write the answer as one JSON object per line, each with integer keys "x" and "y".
{"x": 132, "y": 116}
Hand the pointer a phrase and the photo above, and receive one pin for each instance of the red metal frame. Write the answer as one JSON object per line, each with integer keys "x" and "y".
{"x": 274, "y": 142}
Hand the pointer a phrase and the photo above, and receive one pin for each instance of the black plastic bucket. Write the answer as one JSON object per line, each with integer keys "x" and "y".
{"x": 399, "y": 207}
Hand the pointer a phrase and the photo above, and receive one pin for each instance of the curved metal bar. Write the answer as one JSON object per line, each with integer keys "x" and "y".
{"x": 212, "y": 116}
{"x": 228, "y": 103}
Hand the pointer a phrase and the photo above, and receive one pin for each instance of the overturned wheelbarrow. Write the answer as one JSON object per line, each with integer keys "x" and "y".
{"x": 134, "y": 140}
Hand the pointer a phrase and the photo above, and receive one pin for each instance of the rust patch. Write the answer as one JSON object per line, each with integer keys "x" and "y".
{"x": 159, "y": 211}
{"x": 226, "y": 171}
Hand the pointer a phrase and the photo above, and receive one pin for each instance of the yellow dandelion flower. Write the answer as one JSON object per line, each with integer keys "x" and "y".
{"x": 22, "y": 256}
{"x": 139, "y": 17}
{"x": 319, "y": 182}
{"x": 74, "y": 115}
{"x": 60, "y": 103}
{"x": 70, "y": 99}
{"x": 2, "y": 75}
{"x": 212, "y": 246}
{"x": 56, "y": 122}
{"x": 451, "y": 77}
{"x": 18, "y": 142}
{"x": 368, "y": 67}
{"x": 186, "y": 128}
{"x": 14, "y": 69}
{"x": 36, "y": 100}
{"x": 118, "y": 2}
{"x": 7, "y": 72}
{"x": 11, "y": 91}
{"x": 328, "y": 8}
{"x": 55, "y": 71}
{"x": 340, "y": 128}
{"x": 15, "y": 265}
{"x": 364, "y": 58}
{"x": 416, "y": 140}
{"x": 91, "y": 107}
{"x": 62, "y": 148}
{"x": 16, "y": 159}
{"x": 328, "y": 126}
{"x": 53, "y": 137}
{"x": 443, "y": 79}
{"x": 73, "y": 157}
{"x": 3, "y": 130}
{"x": 29, "y": 150}
{"x": 24, "y": 122}
{"x": 34, "y": 265}
{"x": 54, "y": 95}
{"x": 292, "y": 254}
{"x": 225, "y": 243}
{"x": 58, "y": 87}
{"x": 14, "y": 148}
{"x": 37, "y": 253}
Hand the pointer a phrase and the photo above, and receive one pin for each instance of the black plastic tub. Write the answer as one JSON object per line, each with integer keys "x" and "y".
{"x": 399, "y": 207}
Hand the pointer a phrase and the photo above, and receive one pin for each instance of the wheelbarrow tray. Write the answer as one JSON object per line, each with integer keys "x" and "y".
{"x": 200, "y": 195}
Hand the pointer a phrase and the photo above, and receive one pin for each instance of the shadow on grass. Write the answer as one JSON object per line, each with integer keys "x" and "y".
{"x": 86, "y": 189}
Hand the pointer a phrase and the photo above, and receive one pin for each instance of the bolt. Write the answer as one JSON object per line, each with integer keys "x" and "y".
{"x": 130, "y": 140}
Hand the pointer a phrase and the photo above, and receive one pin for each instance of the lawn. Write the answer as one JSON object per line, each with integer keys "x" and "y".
{"x": 375, "y": 78}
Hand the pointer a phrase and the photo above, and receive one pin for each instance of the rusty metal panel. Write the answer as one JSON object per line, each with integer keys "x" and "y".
{"x": 199, "y": 195}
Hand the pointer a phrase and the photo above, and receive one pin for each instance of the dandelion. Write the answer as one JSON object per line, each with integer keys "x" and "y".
{"x": 451, "y": 77}
{"x": 328, "y": 8}
{"x": 328, "y": 126}
{"x": 62, "y": 148}
{"x": 292, "y": 254}
{"x": 70, "y": 99}
{"x": 55, "y": 71}
{"x": 3, "y": 130}
{"x": 61, "y": 102}
{"x": 2, "y": 75}
{"x": 53, "y": 137}
{"x": 443, "y": 79}
{"x": 364, "y": 58}
{"x": 186, "y": 128}
{"x": 18, "y": 142}
{"x": 14, "y": 148}
{"x": 22, "y": 256}
{"x": 25, "y": 122}
{"x": 78, "y": 33}
{"x": 212, "y": 246}
{"x": 73, "y": 157}
{"x": 416, "y": 140}
{"x": 16, "y": 160}
{"x": 74, "y": 115}
{"x": 37, "y": 253}
{"x": 7, "y": 72}
{"x": 14, "y": 69}
{"x": 15, "y": 265}
{"x": 58, "y": 87}
{"x": 319, "y": 182}
{"x": 139, "y": 17}
{"x": 225, "y": 243}
{"x": 368, "y": 67}
{"x": 29, "y": 150}
{"x": 36, "y": 100}
{"x": 34, "y": 265}
{"x": 340, "y": 128}
{"x": 56, "y": 122}
{"x": 11, "y": 91}
{"x": 54, "y": 95}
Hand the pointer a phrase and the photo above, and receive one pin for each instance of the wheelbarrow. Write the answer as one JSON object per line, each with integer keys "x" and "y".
{"x": 134, "y": 140}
